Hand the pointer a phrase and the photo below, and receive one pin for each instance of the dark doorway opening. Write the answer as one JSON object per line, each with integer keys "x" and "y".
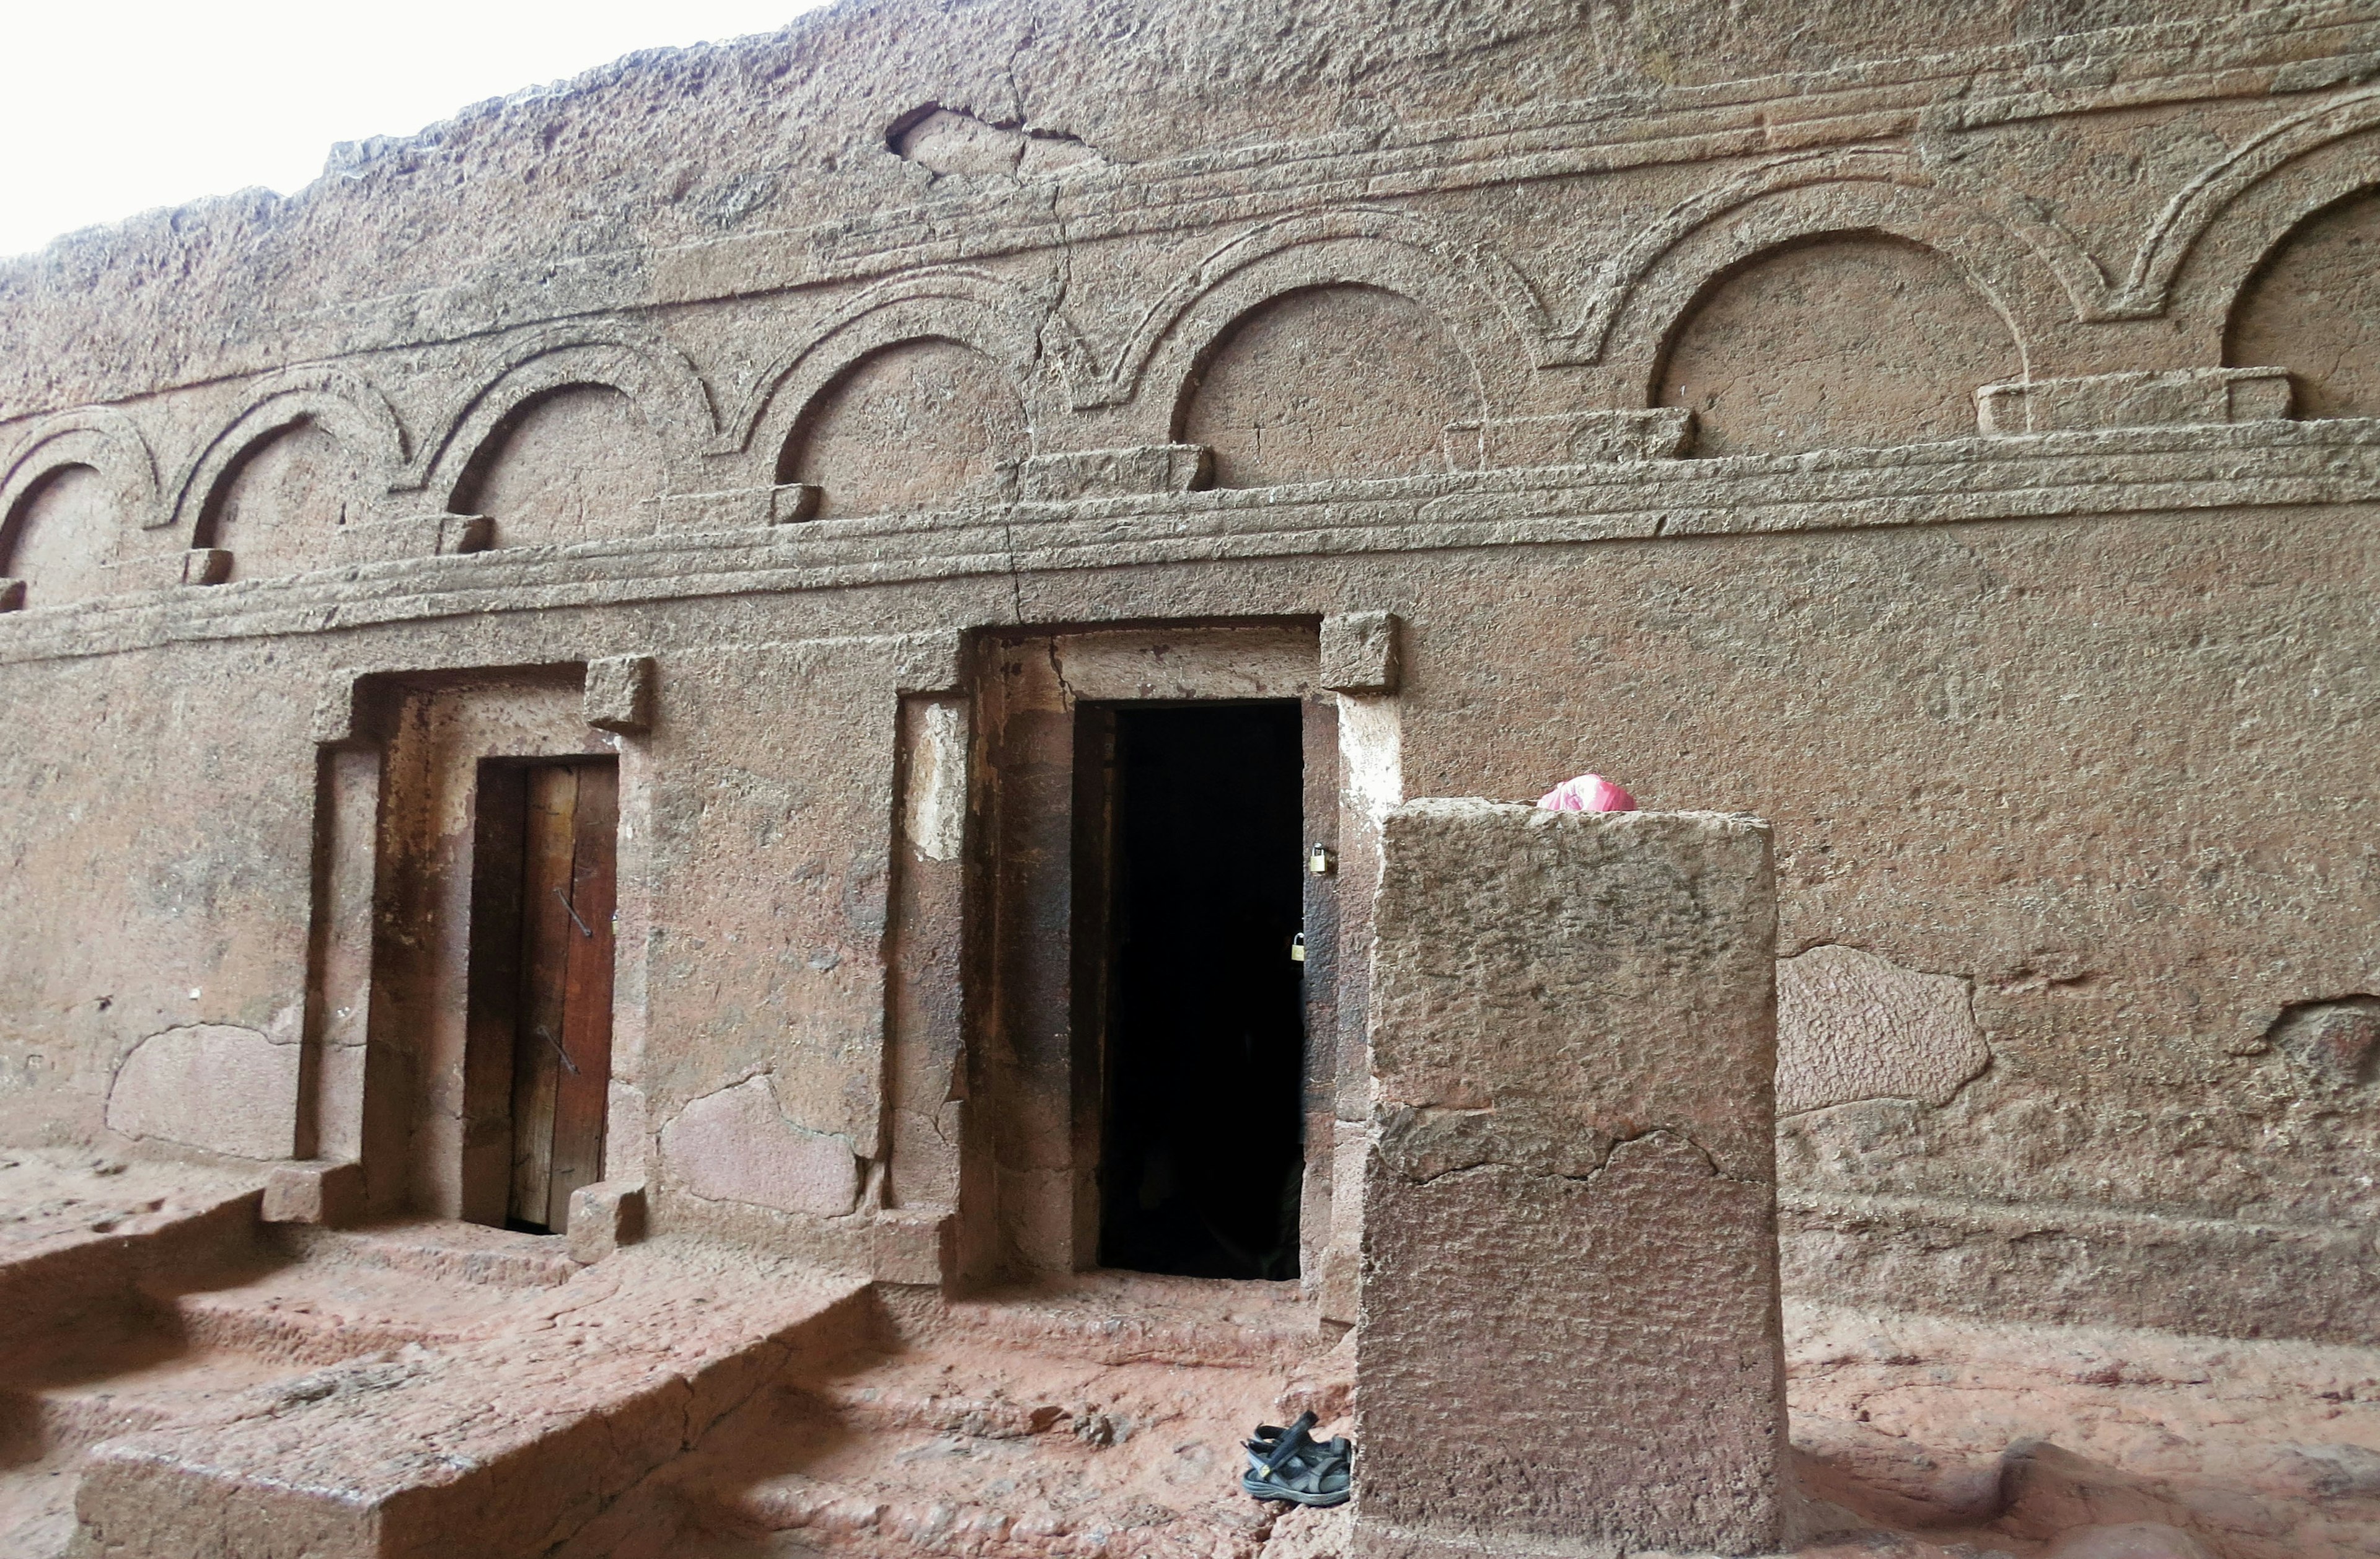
{"x": 544, "y": 884}
{"x": 1202, "y": 1151}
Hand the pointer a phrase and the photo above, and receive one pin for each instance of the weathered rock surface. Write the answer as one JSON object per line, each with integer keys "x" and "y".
{"x": 1851, "y": 1025}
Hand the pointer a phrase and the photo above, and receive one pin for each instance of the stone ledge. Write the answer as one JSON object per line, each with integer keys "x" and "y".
{"x": 2066, "y": 1265}
{"x": 1114, "y": 473}
{"x": 1594, "y": 438}
{"x": 2027, "y": 477}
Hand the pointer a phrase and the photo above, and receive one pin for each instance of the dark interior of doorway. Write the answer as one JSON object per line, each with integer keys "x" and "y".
{"x": 545, "y": 859}
{"x": 1202, "y": 1154}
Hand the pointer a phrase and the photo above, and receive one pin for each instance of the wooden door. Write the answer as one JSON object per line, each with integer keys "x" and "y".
{"x": 562, "y": 1045}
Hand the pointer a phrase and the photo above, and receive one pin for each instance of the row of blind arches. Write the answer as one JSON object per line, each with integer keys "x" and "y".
{"x": 1849, "y": 342}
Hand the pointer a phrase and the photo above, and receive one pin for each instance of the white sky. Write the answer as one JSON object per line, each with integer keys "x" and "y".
{"x": 115, "y": 106}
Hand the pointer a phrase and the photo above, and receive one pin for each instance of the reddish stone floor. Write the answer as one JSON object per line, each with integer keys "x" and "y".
{"x": 715, "y": 1415}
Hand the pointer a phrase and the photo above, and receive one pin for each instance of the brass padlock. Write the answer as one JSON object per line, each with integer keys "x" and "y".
{"x": 1297, "y": 948}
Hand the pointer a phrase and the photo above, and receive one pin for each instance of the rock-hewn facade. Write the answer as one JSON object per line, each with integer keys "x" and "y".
{"x": 1946, "y": 434}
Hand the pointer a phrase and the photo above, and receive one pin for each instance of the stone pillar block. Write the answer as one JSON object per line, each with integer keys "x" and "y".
{"x": 1359, "y": 652}
{"x": 1114, "y": 473}
{"x": 620, "y": 693}
{"x": 604, "y": 1216}
{"x": 2165, "y": 398}
{"x": 313, "y": 1192}
{"x": 1570, "y": 1326}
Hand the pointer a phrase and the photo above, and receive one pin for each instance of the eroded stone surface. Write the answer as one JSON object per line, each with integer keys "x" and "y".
{"x": 1851, "y": 1025}
{"x": 210, "y": 1085}
{"x": 2333, "y": 1042}
{"x": 737, "y": 1145}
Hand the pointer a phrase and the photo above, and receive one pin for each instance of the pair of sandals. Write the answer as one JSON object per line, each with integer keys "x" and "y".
{"x": 1289, "y": 1464}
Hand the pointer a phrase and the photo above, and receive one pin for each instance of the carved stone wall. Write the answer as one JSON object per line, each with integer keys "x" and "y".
{"x": 1945, "y": 436}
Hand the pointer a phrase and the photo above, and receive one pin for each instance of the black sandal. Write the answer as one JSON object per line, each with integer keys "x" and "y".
{"x": 1289, "y": 1464}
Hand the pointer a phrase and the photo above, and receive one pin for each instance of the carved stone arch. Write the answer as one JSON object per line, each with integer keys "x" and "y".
{"x": 2224, "y": 257}
{"x": 2034, "y": 272}
{"x": 1483, "y": 302}
{"x": 1036, "y": 348}
{"x": 98, "y": 437}
{"x": 2025, "y": 294}
{"x": 658, "y": 379}
{"x": 348, "y": 408}
{"x": 2217, "y": 226}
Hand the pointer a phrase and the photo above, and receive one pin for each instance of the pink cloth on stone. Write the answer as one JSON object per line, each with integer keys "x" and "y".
{"x": 1588, "y": 792}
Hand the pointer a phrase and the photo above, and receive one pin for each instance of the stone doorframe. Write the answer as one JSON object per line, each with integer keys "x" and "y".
{"x": 395, "y": 1076}
{"x": 1029, "y": 1196}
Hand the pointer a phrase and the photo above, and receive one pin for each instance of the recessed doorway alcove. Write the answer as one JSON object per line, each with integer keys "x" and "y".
{"x": 1153, "y": 1080}
{"x": 1201, "y": 1155}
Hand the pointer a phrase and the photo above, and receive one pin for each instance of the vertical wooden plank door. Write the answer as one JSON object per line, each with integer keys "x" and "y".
{"x": 562, "y": 1048}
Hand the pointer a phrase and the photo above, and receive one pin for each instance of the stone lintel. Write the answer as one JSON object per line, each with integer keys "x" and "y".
{"x": 1569, "y": 1296}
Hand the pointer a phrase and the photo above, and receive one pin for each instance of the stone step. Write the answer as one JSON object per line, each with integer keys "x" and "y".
{"x": 971, "y": 1438}
{"x": 37, "y": 1519}
{"x": 499, "y": 1444}
{"x": 1133, "y": 1318}
{"x": 51, "y": 1427}
{"x": 881, "y": 1521}
{"x": 300, "y": 1338}
{"x": 312, "y": 1313}
{"x": 440, "y": 1248}
{"x": 80, "y": 1238}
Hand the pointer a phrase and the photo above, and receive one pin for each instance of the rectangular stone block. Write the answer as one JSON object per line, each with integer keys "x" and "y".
{"x": 1359, "y": 652}
{"x": 328, "y": 1193}
{"x": 914, "y": 1245}
{"x": 337, "y": 713}
{"x": 2169, "y": 398}
{"x": 206, "y": 565}
{"x": 1569, "y": 1322}
{"x": 739, "y": 508}
{"x": 1588, "y": 438}
{"x": 620, "y": 693}
{"x": 604, "y": 1218}
{"x": 411, "y": 536}
{"x": 1114, "y": 473}
{"x": 930, "y": 662}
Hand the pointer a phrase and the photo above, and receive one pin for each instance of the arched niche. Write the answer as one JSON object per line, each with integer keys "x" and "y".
{"x": 1846, "y": 341}
{"x": 575, "y": 463}
{"x": 1329, "y": 381}
{"x": 2313, "y": 307}
{"x": 915, "y": 426}
{"x": 61, "y": 535}
{"x": 282, "y": 501}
